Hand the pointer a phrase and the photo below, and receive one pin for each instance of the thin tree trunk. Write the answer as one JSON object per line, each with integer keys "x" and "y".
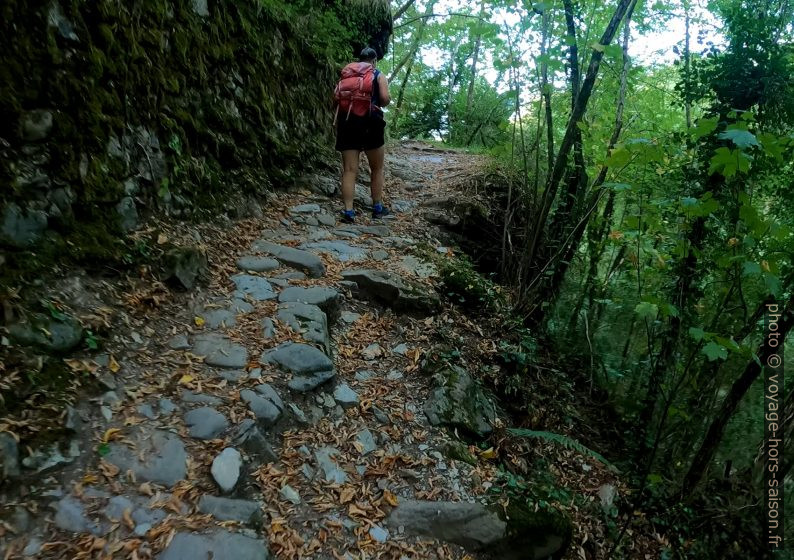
{"x": 560, "y": 163}
{"x": 404, "y": 8}
{"x": 687, "y": 66}
{"x": 716, "y": 430}
{"x": 475, "y": 57}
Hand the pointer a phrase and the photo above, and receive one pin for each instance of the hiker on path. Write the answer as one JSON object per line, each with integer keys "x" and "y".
{"x": 360, "y": 126}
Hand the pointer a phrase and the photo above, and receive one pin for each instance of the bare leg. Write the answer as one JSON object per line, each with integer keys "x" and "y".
{"x": 376, "y": 172}
{"x": 349, "y": 173}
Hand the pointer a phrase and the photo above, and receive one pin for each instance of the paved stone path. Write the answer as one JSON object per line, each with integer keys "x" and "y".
{"x": 294, "y": 425}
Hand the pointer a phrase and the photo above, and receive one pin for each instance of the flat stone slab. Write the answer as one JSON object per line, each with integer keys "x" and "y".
{"x": 219, "y": 350}
{"x": 205, "y": 423}
{"x": 377, "y": 231}
{"x": 255, "y": 287}
{"x": 300, "y": 359}
{"x": 226, "y": 468}
{"x": 214, "y": 318}
{"x": 218, "y": 545}
{"x": 228, "y": 509}
{"x": 306, "y": 209}
{"x": 296, "y": 258}
{"x": 324, "y": 297}
{"x": 70, "y": 516}
{"x": 340, "y": 250}
{"x": 252, "y": 263}
{"x": 328, "y": 466}
{"x": 157, "y": 456}
{"x": 394, "y": 291}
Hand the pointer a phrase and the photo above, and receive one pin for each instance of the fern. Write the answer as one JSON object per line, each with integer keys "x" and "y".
{"x": 565, "y": 441}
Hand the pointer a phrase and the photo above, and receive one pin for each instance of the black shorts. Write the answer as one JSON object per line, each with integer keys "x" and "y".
{"x": 360, "y": 133}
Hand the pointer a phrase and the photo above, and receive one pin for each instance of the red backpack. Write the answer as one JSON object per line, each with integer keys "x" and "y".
{"x": 353, "y": 93}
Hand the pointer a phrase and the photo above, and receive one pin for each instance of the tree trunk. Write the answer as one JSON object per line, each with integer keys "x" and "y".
{"x": 475, "y": 57}
{"x": 729, "y": 405}
{"x": 404, "y": 8}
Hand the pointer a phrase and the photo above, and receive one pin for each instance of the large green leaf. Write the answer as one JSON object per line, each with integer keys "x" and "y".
{"x": 741, "y": 138}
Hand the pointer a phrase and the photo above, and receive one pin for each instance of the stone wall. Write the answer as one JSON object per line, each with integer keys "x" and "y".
{"x": 110, "y": 110}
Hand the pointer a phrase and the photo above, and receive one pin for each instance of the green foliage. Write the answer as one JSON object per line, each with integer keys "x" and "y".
{"x": 468, "y": 287}
{"x": 565, "y": 441}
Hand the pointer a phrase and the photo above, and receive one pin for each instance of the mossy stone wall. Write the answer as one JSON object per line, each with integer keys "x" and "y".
{"x": 109, "y": 109}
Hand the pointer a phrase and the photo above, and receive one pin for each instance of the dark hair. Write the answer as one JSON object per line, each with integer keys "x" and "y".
{"x": 368, "y": 53}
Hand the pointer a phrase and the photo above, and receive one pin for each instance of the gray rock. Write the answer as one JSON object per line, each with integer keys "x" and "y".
{"x": 200, "y": 8}
{"x": 366, "y": 441}
{"x": 394, "y": 375}
{"x": 607, "y": 493}
{"x": 47, "y": 333}
{"x": 380, "y": 415}
{"x": 372, "y": 352}
{"x": 379, "y": 534}
{"x": 70, "y": 516}
{"x": 324, "y": 297}
{"x": 198, "y": 398}
{"x": 400, "y": 349}
{"x": 179, "y": 342}
{"x": 167, "y": 406}
{"x": 308, "y": 320}
{"x": 345, "y": 396}
{"x": 265, "y": 410}
{"x": 205, "y": 423}
{"x": 116, "y": 507}
{"x": 142, "y": 529}
{"x": 469, "y": 525}
{"x": 36, "y": 125}
{"x": 306, "y": 383}
{"x": 234, "y": 375}
{"x": 364, "y": 375}
{"x": 9, "y": 457}
{"x": 239, "y": 306}
{"x": 340, "y": 250}
{"x": 267, "y": 391}
{"x": 217, "y": 545}
{"x": 326, "y": 219}
{"x": 146, "y": 410}
{"x": 185, "y": 265}
{"x": 459, "y": 402}
{"x": 226, "y": 469}
{"x": 268, "y": 328}
{"x": 320, "y": 184}
{"x": 158, "y": 457}
{"x": 380, "y": 255}
{"x": 306, "y": 209}
{"x": 45, "y": 458}
{"x": 294, "y": 275}
{"x": 299, "y": 415}
{"x": 394, "y": 291}
{"x": 219, "y": 350}
{"x": 253, "y": 442}
{"x": 350, "y": 317}
{"x": 215, "y": 318}
{"x": 327, "y": 465}
{"x": 300, "y": 359}
{"x": 227, "y": 509}
{"x": 417, "y": 267}
{"x": 290, "y": 494}
{"x": 128, "y": 213}
{"x": 33, "y": 547}
{"x": 72, "y": 422}
{"x": 296, "y": 258}
{"x": 377, "y": 231}
{"x": 252, "y": 263}
{"x": 255, "y": 287}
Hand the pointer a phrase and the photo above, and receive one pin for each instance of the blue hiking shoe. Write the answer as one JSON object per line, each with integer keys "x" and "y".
{"x": 348, "y": 216}
{"x": 379, "y": 210}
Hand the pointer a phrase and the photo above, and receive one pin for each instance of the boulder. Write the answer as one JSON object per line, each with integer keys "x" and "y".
{"x": 250, "y": 438}
{"x": 459, "y": 402}
{"x": 394, "y": 291}
{"x": 265, "y": 410}
{"x": 299, "y": 359}
{"x": 22, "y": 228}
{"x": 205, "y": 423}
{"x": 255, "y": 287}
